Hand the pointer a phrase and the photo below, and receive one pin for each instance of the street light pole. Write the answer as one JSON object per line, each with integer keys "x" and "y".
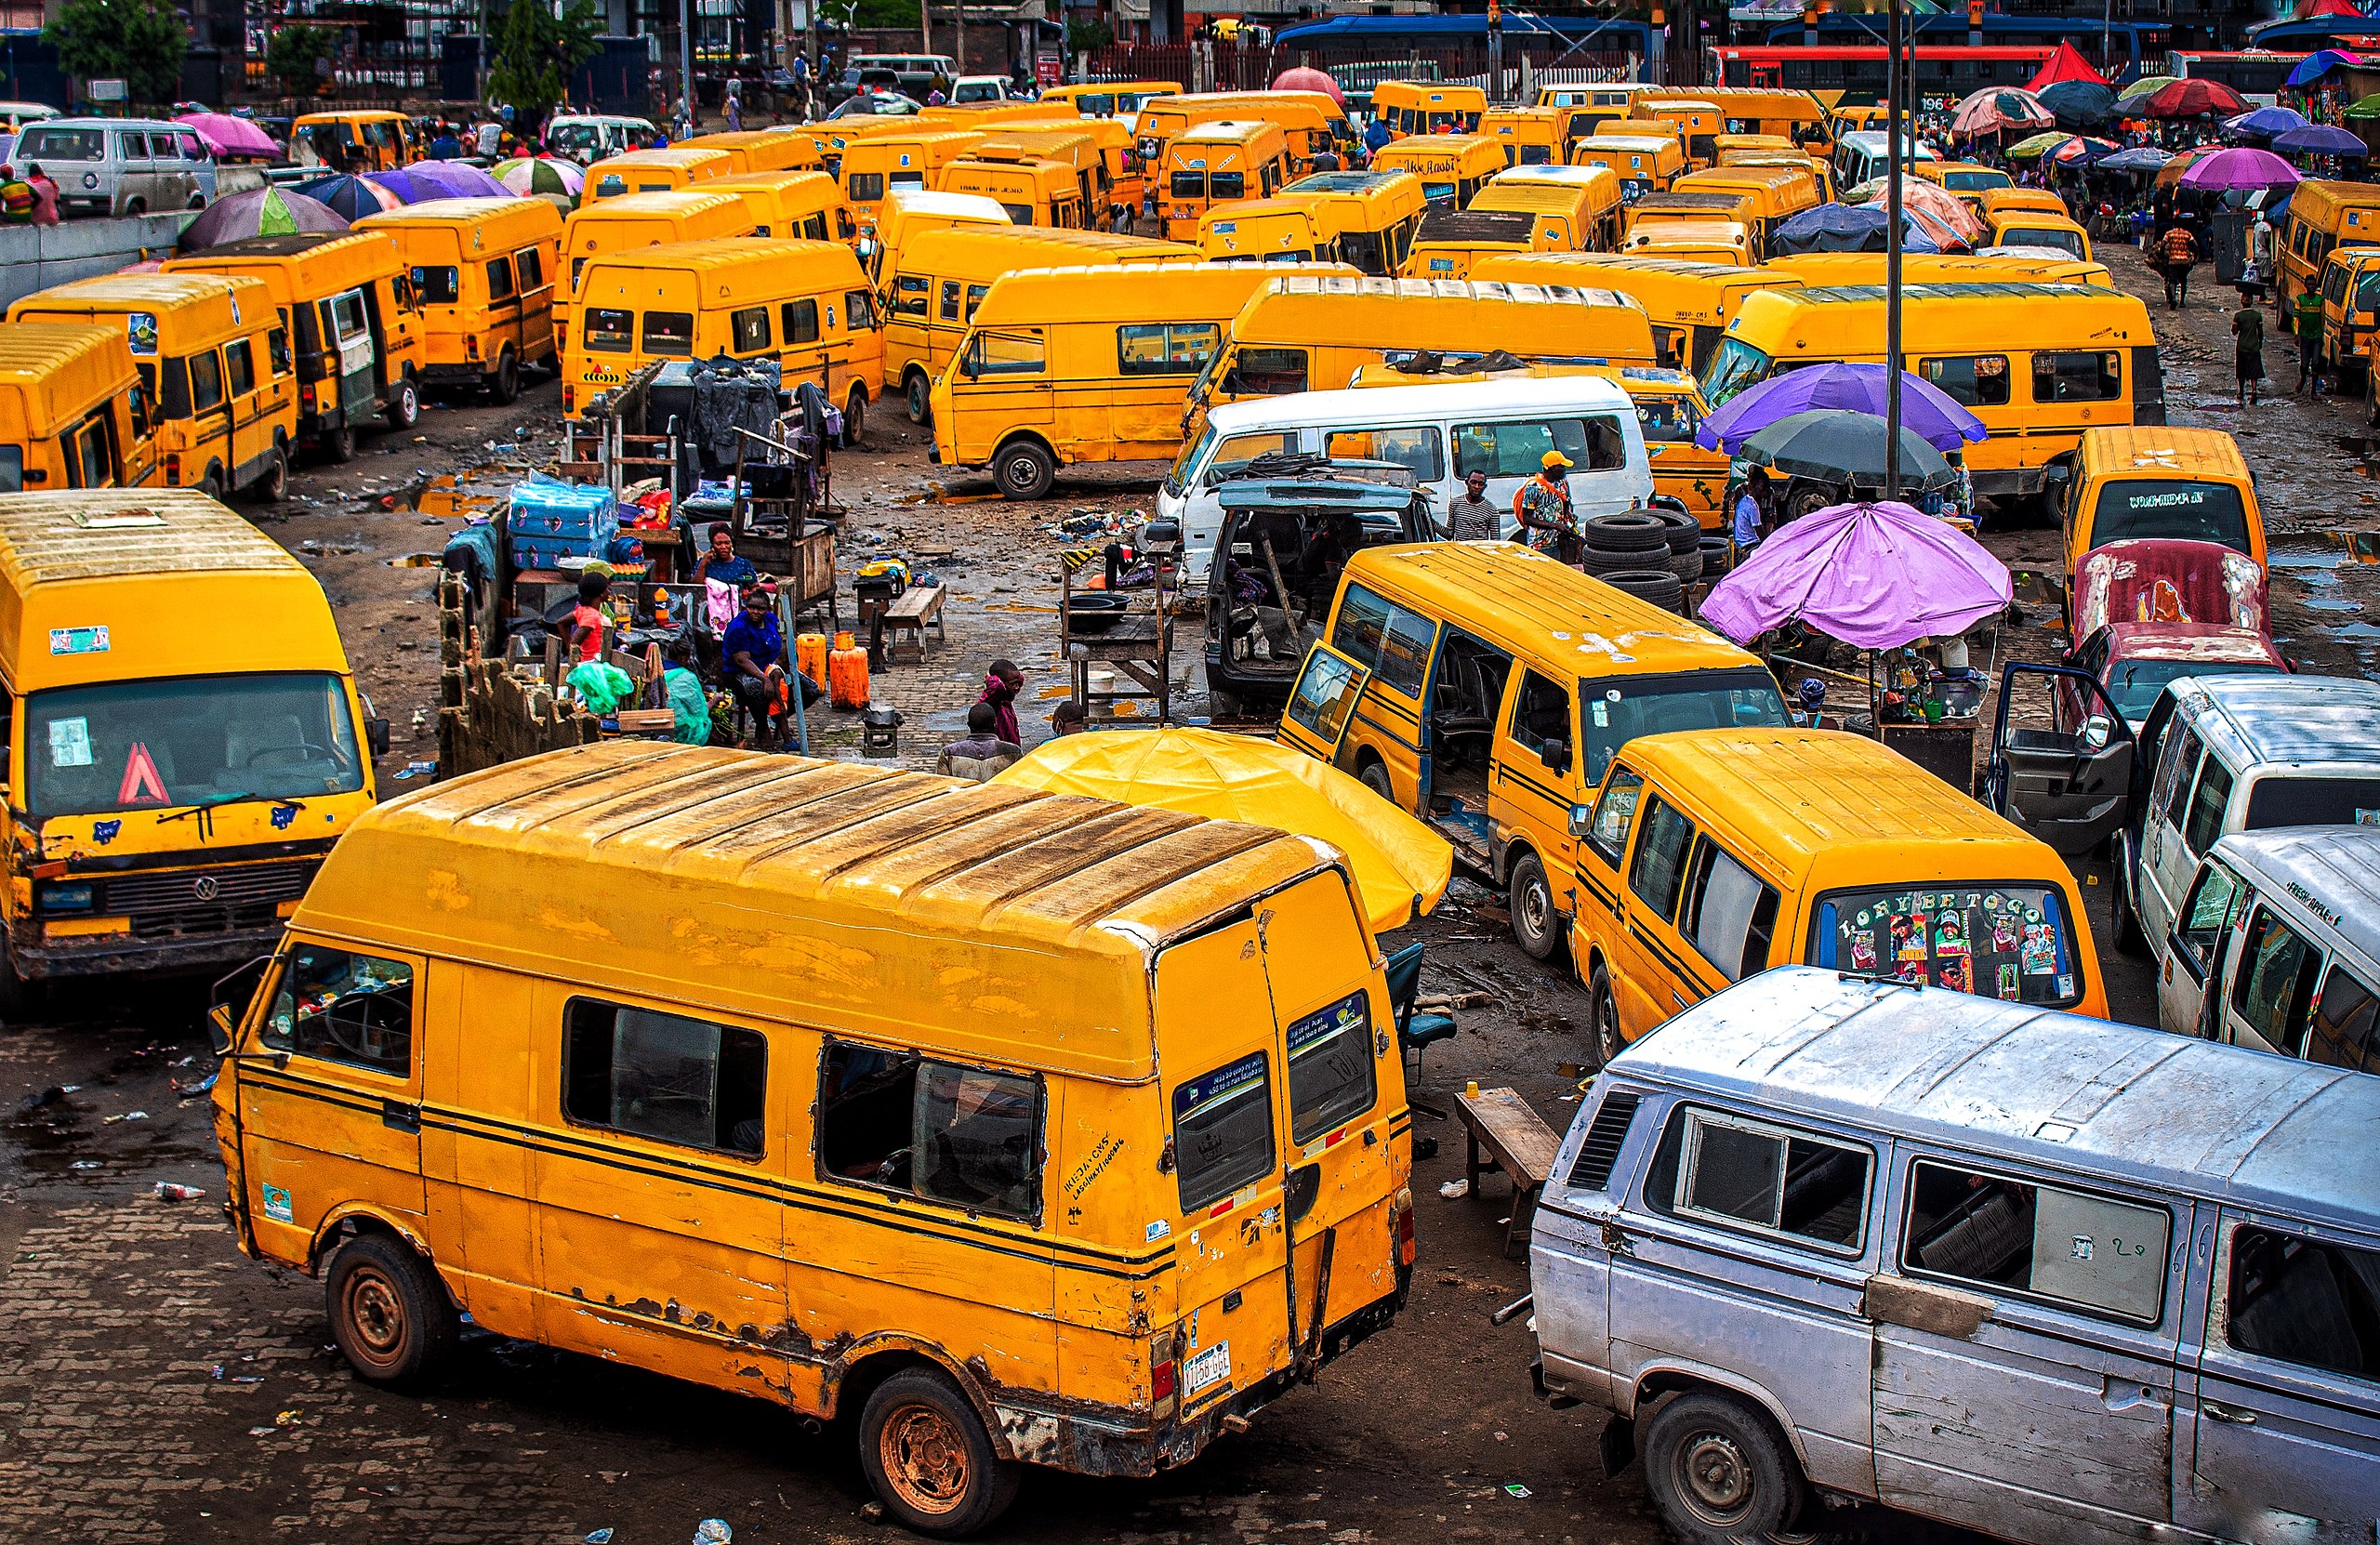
{"x": 1895, "y": 83}
{"x": 686, "y": 58}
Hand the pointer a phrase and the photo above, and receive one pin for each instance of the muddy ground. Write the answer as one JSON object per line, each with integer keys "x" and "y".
{"x": 156, "y": 1386}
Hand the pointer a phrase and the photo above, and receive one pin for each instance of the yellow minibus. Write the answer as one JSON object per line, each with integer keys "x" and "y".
{"x": 1276, "y": 229}
{"x": 2322, "y": 215}
{"x": 1218, "y": 163}
{"x": 1451, "y": 167}
{"x": 1424, "y": 108}
{"x": 1643, "y": 163}
{"x": 73, "y": 413}
{"x": 1032, "y": 189}
{"x": 483, "y": 271}
{"x": 653, "y": 172}
{"x": 805, "y": 206}
{"x": 1371, "y": 214}
{"x": 1109, "y": 99}
{"x": 635, "y": 220}
{"x": 1689, "y": 304}
{"x": 884, "y": 162}
{"x": 1582, "y": 202}
{"x": 1529, "y": 136}
{"x": 783, "y": 149}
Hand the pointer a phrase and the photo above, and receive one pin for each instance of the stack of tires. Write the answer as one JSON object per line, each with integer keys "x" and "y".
{"x": 1649, "y": 553}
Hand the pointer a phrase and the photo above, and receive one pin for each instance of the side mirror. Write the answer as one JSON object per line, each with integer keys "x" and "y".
{"x": 2056, "y": 475}
{"x": 1583, "y": 820}
{"x": 2096, "y": 731}
{"x": 1556, "y": 755}
{"x": 376, "y": 736}
{"x": 220, "y": 1027}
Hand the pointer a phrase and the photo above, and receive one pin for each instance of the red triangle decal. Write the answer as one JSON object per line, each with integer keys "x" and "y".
{"x": 142, "y": 783}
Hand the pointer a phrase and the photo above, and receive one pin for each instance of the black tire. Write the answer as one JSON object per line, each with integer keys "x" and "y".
{"x": 1221, "y": 702}
{"x": 1603, "y": 1013}
{"x": 2130, "y": 939}
{"x": 1718, "y": 1472}
{"x": 1634, "y": 531}
{"x": 1602, "y": 560}
{"x": 505, "y": 385}
{"x": 1686, "y": 565}
{"x": 1684, "y": 531}
{"x": 340, "y": 443}
{"x": 1025, "y": 470}
{"x": 1718, "y": 556}
{"x": 920, "y": 391}
{"x": 855, "y": 417}
{"x": 273, "y": 486}
{"x": 403, "y": 410}
{"x": 212, "y": 484}
{"x": 1374, "y": 776}
{"x": 929, "y": 1460}
{"x": 1809, "y": 499}
{"x": 1656, "y": 586}
{"x": 1537, "y": 926}
{"x": 389, "y": 1313}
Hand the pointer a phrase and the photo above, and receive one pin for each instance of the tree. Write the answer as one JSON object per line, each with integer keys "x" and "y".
{"x": 536, "y": 53}
{"x": 138, "y": 42}
{"x": 294, "y": 53}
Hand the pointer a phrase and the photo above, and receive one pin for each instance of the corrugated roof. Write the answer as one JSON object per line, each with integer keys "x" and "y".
{"x": 2336, "y": 868}
{"x": 104, "y": 533}
{"x": 1517, "y": 586}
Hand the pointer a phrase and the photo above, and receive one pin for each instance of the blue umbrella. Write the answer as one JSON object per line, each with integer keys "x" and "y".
{"x": 2321, "y": 62}
{"x": 2320, "y": 140}
{"x": 2267, "y": 122}
{"x": 1925, "y": 411}
{"x": 2079, "y": 104}
{"x": 2140, "y": 158}
{"x": 1848, "y": 228}
{"x": 349, "y": 196}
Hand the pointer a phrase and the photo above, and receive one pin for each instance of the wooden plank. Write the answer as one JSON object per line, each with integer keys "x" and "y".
{"x": 1522, "y": 1144}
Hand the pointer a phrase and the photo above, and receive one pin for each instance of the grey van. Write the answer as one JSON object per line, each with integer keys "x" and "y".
{"x": 121, "y": 166}
{"x": 1822, "y": 1239}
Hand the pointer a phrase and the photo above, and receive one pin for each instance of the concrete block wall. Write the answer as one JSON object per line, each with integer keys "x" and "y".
{"x": 35, "y": 257}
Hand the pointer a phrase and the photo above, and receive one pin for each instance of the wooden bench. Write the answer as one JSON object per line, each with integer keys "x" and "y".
{"x": 905, "y": 621}
{"x": 1521, "y": 1145}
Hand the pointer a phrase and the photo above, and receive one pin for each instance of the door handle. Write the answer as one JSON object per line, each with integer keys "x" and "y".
{"x": 2216, "y": 1411}
{"x": 397, "y": 1115}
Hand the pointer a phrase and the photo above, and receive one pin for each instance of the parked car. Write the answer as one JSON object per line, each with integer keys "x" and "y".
{"x": 978, "y": 90}
{"x": 587, "y": 138}
{"x": 121, "y": 166}
{"x": 867, "y": 102}
{"x": 1822, "y": 1237}
{"x": 2276, "y": 946}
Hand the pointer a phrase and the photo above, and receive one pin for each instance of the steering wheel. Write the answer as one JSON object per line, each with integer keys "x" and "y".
{"x": 302, "y": 751}
{"x": 353, "y": 1023}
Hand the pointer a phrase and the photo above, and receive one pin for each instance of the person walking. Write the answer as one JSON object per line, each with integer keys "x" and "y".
{"x": 2261, "y": 257}
{"x": 1751, "y": 514}
{"x": 44, "y": 188}
{"x": 1471, "y": 515}
{"x": 1542, "y": 506}
{"x": 801, "y": 86}
{"x": 2177, "y": 252}
{"x": 2307, "y": 324}
{"x": 2248, "y": 345}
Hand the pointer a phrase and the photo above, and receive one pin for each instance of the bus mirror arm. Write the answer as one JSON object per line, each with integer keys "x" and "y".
{"x": 221, "y": 1030}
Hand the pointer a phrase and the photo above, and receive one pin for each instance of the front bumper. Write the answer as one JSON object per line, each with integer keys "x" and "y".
{"x": 123, "y": 953}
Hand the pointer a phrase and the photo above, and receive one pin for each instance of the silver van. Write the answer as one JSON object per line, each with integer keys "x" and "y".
{"x": 121, "y": 166}
{"x": 1821, "y": 1239}
{"x": 2276, "y": 946}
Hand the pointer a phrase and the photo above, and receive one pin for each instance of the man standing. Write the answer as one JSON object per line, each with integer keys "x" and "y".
{"x": 734, "y": 107}
{"x": 801, "y": 86}
{"x": 491, "y": 136}
{"x": 2177, "y": 250}
{"x": 2307, "y": 324}
{"x": 2248, "y": 347}
{"x": 1752, "y": 513}
{"x": 1471, "y": 516}
{"x": 1542, "y": 507}
{"x": 16, "y": 198}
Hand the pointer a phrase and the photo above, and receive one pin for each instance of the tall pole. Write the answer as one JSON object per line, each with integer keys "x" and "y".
{"x": 686, "y": 58}
{"x": 1895, "y": 81}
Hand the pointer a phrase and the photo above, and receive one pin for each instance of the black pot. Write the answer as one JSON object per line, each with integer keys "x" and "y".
{"x": 1096, "y": 612}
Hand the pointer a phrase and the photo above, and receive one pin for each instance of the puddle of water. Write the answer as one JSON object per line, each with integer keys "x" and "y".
{"x": 1018, "y": 606}
{"x": 2358, "y": 632}
{"x": 2331, "y": 603}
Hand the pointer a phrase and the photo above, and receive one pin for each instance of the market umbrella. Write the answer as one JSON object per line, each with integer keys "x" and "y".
{"x": 2193, "y": 96}
{"x": 226, "y": 134}
{"x": 2172, "y": 171}
{"x": 1849, "y": 227}
{"x": 2240, "y": 167}
{"x": 349, "y": 196}
{"x": 2265, "y": 122}
{"x": 2140, "y": 158}
{"x": 2080, "y": 104}
{"x": 1874, "y": 576}
{"x": 425, "y": 180}
{"x": 1919, "y": 196}
{"x": 2037, "y": 145}
{"x": 529, "y": 177}
{"x": 2147, "y": 85}
{"x": 2321, "y": 62}
{"x": 2083, "y": 150}
{"x": 259, "y": 212}
{"x": 1843, "y": 447}
{"x": 1304, "y": 77}
{"x": 1993, "y": 111}
{"x": 1401, "y": 866}
{"x": 1925, "y": 411}
{"x": 2320, "y": 140}
{"x": 2065, "y": 63}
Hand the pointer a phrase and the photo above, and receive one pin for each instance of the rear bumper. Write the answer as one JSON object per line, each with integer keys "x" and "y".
{"x": 459, "y": 375}
{"x": 2014, "y": 482}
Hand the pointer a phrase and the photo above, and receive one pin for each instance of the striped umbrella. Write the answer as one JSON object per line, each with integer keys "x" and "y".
{"x": 530, "y": 175}
{"x": 1997, "y": 111}
{"x": 2039, "y": 145}
{"x": 2082, "y": 150}
{"x": 2147, "y": 85}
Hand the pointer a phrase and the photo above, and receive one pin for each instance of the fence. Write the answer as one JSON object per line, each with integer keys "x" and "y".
{"x": 1220, "y": 66}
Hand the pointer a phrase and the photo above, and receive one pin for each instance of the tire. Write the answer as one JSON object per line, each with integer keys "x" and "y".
{"x": 1656, "y": 586}
{"x": 1537, "y": 926}
{"x": 212, "y": 484}
{"x": 1718, "y": 1472}
{"x": 404, "y": 410}
{"x": 1684, "y": 531}
{"x": 1221, "y": 702}
{"x": 1602, "y": 560}
{"x": 919, "y": 392}
{"x": 389, "y": 1313}
{"x": 855, "y": 418}
{"x": 505, "y": 385}
{"x": 135, "y": 207}
{"x": 339, "y": 444}
{"x": 1808, "y": 501}
{"x": 1024, "y": 471}
{"x": 929, "y": 1460}
{"x": 1636, "y": 531}
{"x": 1686, "y": 565}
{"x": 1374, "y": 776}
{"x": 1602, "y": 1014}
{"x": 1718, "y": 557}
{"x": 273, "y": 486}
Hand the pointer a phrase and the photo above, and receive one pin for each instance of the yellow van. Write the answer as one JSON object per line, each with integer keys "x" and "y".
{"x": 1998, "y": 201}
{"x": 1277, "y": 229}
{"x": 1219, "y": 162}
{"x": 653, "y": 172}
{"x": 2159, "y": 482}
{"x": 1777, "y": 193}
{"x": 1108, "y": 98}
{"x": 1123, "y": 183}
{"x": 215, "y": 364}
{"x": 1310, "y": 333}
{"x": 73, "y": 413}
{"x": 1422, "y": 108}
{"x": 1452, "y": 167}
{"x": 2038, "y": 363}
{"x": 1529, "y": 136}
{"x": 372, "y": 139}
{"x": 911, "y": 211}
{"x": 1582, "y": 202}
{"x": 1687, "y": 240}
{"x": 1643, "y": 163}
{"x": 187, "y": 742}
{"x": 797, "y": 206}
{"x": 1032, "y": 189}
{"x": 940, "y": 276}
{"x": 635, "y": 220}
{"x": 348, "y": 304}
{"x": 805, "y": 304}
{"x": 2324, "y": 216}
{"x": 1969, "y": 181}
{"x": 1709, "y": 855}
{"x": 878, "y": 165}
{"x": 1698, "y": 125}
{"x": 2029, "y": 228}
{"x": 760, "y": 150}
{"x": 1689, "y": 304}
{"x": 1938, "y": 268}
{"x": 1105, "y": 1147}
{"x": 1074, "y": 146}
{"x": 2350, "y": 301}
{"x": 482, "y": 271}
{"x": 1486, "y": 688}
{"x": 1795, "y": 117}
{"x": 1707, "y": 212}
{"x": 1450, "y": 243}
{"x": 1371, "y": 214}
{"x": 1821, "y": 172}
{"x": 1065, "y": 366}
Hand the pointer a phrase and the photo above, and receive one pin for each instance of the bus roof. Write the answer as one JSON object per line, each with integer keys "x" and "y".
{"x": 985, "y": 919}
{"x": 2335, "y": 866}
{"x": 307, "y": 265}
{"x": 731, "y": 258}
{"x": 2169, "y": 448}
{"x": 1193, "y": 291}
{"x": 212, "y": 307}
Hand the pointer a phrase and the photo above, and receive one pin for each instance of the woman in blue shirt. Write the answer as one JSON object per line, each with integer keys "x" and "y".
{"x": 723, "y": 563}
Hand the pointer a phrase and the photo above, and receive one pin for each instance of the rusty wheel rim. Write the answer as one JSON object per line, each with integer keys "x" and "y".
{"x": 924, "y": 1458}
{"x": 1715, "y": 1481}
{"x": 374, "y": 1312}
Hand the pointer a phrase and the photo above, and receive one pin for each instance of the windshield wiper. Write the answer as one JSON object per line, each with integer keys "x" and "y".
{"x": 200, "y": 807}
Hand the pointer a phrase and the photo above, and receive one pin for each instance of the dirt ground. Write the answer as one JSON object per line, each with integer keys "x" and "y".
{"x": 156, "y": 1386}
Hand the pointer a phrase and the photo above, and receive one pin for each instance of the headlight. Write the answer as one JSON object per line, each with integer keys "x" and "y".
{"x": 90, "y": 180}
{"x": 66, "y": 898}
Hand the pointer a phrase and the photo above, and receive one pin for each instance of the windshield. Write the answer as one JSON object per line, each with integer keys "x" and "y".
{"x": 1974, "y": 182}
{"x": 1735, "y": 364}
{"x": 1615, "y": 710}
{"x": 198, "y": 740}
{"x": 2163, "y": 509}
{"x": 2290, "y": 801}
{"x": 2068, "y": 241}
{"x": 2133, "y": 685}
{"x": 1177, "y": 478}
{"x": 2010, "y": 942}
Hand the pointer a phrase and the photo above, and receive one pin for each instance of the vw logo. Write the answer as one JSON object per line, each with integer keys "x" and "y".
{"x": 204, "y": 887}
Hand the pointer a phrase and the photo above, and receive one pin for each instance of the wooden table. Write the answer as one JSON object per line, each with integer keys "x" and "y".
{"x": 1522, "y": 1146}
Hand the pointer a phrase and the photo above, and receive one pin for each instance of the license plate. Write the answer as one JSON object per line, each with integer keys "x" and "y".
{"x": 1209, "y": 1366}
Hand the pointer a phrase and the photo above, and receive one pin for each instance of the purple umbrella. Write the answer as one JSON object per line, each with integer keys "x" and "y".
{"x": 1929, "y": 413}
{"x": 2240, "y": 168}
{"x": 425, "y": 180}
{"x": 2320, "y": 140}
{"x": 1874, "y": 576}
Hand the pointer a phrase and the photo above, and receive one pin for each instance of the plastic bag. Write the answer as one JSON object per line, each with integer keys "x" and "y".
{"x": 601, "y": 687}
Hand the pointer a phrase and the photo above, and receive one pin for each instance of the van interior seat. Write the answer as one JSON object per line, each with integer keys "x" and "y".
{"x": 1982, "y": 1239}
{"x": 247, "y": 739}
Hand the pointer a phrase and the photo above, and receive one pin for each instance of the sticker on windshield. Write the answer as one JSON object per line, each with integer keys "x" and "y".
{"x": 78, "y": 640}
{"x": 2367, "y": 817}
{"x": 69, "y": 743}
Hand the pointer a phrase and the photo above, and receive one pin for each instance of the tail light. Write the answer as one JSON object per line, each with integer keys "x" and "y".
{"x": 306, "y": 397}
{"x": 173, "y": 470}
{"x": 569, "y": 397}
{"x": 470, "y": 345}
{"x": 1401, "y": 1224}
{"x": 1161, "y": 1376}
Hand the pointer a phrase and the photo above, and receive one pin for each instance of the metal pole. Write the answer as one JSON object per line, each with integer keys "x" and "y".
{"x": 686, "y": 58}
{"x": 1895, "y": 81}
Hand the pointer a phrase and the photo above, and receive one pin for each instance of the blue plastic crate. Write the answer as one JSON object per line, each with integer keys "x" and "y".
{"x": 547, "y": 507}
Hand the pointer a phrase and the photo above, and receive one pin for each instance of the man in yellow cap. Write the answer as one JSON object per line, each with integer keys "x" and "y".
{"x": 1542, "y": 507}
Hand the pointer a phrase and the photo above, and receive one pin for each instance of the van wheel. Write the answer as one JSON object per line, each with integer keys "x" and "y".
{"x": 1602, "y": 1014}
{"x": 273, "y": 486}
{"x": 855, "y": 417}
{"x": 1718, "y": 1472}
{"x": 928, "y": 1459}
{"x": 920, "y": 394}
{"x": 212, "y": 484}
{"x": 389, "y": 1313}
{"x": 1535, "y": 924}
{"x": 404, "y": 410}
{"x": 1374, "y": 776}
{"x": 21, "y": 997}
{"x": 505, "y": 385}
{"x": 339, "y": 444}
{"x": 197, "y": 201}
{"x": 1025, "y": 471}
{"x": 135, "y": 207}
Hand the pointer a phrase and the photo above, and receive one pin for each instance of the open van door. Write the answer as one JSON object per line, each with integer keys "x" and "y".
{"x": 1323, "y": 703}
{"x": 2073, "y": 790}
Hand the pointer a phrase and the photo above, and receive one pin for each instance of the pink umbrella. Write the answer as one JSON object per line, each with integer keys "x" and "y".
{"x": 1302, "y": 77}
{"x": 2240, "y": 167}
{"x": 1874, "y": 576}
{"x": 228, "y": 136}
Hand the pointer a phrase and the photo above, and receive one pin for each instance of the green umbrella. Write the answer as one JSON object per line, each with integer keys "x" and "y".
{"x": 2368, "y": 108}
{"x": 2145, "y": 86}
{"x": 2040, "y": 144}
